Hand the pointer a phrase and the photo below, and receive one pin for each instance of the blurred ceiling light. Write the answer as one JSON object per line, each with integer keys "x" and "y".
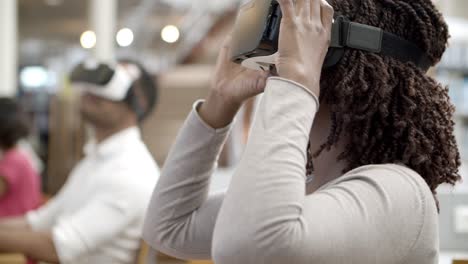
{"x": 53, "y": 2}
{"x": 88, "y": 39}
{"x": 170, "y": 34}
{"x": 125, "y": 37}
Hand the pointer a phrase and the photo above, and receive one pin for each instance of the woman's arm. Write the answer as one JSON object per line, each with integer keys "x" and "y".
{"x": 181, "y": 216}
{"x": 265, "y": 200}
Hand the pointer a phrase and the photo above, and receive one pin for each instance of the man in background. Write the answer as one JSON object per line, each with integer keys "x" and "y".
{"x": 97, "y": 216}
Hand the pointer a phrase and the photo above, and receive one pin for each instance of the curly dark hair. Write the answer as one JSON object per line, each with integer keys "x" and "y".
{"x": 13, "y": 123}
{"x": 391, "y": 111}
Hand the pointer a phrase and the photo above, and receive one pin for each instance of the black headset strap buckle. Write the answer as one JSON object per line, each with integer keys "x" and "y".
{"x": 337, "y": 34}
{"x": 337, "y": 44}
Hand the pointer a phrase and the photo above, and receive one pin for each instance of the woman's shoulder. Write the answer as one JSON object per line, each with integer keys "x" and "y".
{"x": 16, "y": 168}
{"x": 395, "y": 199}
{"x": 394, "y": 186}
{"x": 13, "y": 157}
{"x": 395, "y": 189}
{"x": 392, "y": 177}
{"x": 393, "y": 182}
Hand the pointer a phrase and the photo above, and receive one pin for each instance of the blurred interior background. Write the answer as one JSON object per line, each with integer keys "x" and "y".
{"x": 178, "y": 41}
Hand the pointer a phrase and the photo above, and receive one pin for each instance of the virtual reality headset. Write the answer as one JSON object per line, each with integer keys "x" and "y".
{"x": 257, "y": 28}
{"x": 105, "y": 81}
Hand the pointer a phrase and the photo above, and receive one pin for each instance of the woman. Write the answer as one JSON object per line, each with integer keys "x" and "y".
{"x": 19, "y": 181}
{"x": 380, "y": 141}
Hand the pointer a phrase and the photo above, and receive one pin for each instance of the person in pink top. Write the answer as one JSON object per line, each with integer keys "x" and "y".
{"x": 19, "y": 181}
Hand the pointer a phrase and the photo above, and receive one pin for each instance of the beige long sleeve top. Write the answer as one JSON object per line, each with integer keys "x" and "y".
{"x": 373, "y": 214}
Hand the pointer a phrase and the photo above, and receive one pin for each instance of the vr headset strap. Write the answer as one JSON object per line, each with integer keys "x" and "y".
{"x": 404, "y": 50}
{"x": 132, "y": 100}
{"x": 373, "y": 39}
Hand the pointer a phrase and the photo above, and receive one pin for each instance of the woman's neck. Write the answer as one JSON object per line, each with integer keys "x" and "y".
{"x": 326, "y": 168}
{"x": 326, "y": 165}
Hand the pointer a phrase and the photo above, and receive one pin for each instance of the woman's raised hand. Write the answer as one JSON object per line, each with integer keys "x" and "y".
{"x": 303, "y": 44}
{"x": 304, "y": 41}
{"x": 232, "y": 85}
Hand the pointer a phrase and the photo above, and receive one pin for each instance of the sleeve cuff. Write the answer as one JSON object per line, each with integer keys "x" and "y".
{"x": 195, "y": 119}
{"x": 67, "y": 243}
{"x": 33, "y": 220}
{"x": 283, "y": 80}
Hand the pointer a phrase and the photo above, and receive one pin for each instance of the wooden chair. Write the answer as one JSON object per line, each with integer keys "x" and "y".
{"x": 145, "y": 255}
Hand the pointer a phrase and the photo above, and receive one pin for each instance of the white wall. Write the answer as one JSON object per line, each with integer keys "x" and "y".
{"x": 8, "y": 47}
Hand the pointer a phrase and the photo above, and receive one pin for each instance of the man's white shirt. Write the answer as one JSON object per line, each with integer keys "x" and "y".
{"x": 97, "y": 216}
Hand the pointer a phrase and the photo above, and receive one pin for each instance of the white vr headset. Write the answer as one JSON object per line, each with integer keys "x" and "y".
{"x": 108, "y": 82}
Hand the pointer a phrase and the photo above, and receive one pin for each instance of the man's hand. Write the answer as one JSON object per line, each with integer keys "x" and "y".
{"x": 304, "y": 40}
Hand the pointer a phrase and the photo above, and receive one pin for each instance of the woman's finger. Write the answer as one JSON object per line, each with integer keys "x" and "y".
{"x": 303, "y": 8}
{"x": 315, "y": 11}
{"x": 327, "y": 15}
{"x": 287, "y": 8}
{"x": 225, "y": 53}
{"x": 258, "y": 80}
